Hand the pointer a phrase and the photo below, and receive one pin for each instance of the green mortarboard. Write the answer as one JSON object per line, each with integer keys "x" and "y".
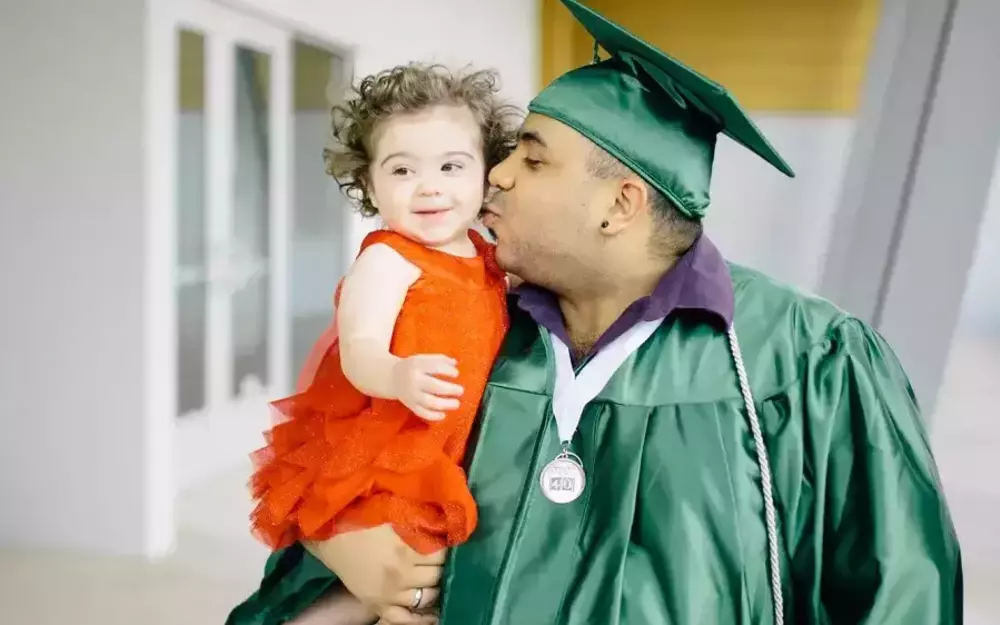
{"x": 658, "y": 116}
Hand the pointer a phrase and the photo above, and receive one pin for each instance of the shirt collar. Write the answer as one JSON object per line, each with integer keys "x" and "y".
{"x": 700, "y": 281}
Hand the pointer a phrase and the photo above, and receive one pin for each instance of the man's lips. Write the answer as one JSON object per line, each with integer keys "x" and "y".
{"x": 489, "y": 217}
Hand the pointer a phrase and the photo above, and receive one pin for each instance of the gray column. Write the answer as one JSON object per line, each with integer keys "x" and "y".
{"x": 934, "y": 246}
{"x": 895, "y": 104}
{"x": 917, "y": 181}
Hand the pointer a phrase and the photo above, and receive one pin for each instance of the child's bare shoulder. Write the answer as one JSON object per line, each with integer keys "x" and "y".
{"x": 382, "y": 261}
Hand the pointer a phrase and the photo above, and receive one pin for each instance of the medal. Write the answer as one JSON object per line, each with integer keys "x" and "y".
{"x": 563, "y": 480}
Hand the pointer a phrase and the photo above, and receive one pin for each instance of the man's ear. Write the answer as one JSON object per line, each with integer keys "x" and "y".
{"x": 631, "y": 201}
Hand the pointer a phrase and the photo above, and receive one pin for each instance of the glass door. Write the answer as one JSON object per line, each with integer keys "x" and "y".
{"x": 320, "y": 218}
{"x": 231, "y": 202}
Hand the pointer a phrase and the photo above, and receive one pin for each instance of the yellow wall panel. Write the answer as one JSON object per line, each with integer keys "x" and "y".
{"x": 191, "y": 66}
{"x": 313, "y": 69}
{"x": 774, "y": 55}
{"x": 563, "y": 41}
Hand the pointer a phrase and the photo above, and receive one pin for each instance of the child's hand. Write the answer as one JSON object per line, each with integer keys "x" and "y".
{"x": 417, "y": 384}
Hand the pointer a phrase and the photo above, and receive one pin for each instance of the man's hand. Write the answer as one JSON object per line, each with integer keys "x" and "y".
{"x": 384, "y": 573}
{"x": 337, "y": 608}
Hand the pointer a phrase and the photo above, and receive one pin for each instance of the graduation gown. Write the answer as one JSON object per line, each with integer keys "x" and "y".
{"x": 670, "y": 529}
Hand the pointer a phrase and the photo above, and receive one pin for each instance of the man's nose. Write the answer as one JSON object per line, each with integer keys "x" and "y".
{"x": 500, "y": 176}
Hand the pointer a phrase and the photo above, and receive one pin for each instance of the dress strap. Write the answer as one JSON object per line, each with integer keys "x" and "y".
{"x": 489, "y": 253}
{"x": 430, "y": 260}
{"x": 415, "y": 252}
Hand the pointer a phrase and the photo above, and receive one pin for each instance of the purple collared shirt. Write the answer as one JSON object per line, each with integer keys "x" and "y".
{"x": 700, "y": 281}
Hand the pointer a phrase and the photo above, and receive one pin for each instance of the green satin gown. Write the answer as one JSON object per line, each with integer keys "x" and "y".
{"x": 670, "y": 529}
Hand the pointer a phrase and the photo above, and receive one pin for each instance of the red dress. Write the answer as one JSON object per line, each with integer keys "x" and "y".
{"x": 339, "y": 460}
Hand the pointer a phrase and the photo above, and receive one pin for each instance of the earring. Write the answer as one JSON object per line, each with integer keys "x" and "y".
{"x": 605, "y": 224}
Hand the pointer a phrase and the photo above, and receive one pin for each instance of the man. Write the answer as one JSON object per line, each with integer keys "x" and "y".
{"x": 665, "y": 438}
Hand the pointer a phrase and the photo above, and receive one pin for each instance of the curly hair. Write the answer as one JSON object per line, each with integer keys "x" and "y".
{"x": 408, "y": 89}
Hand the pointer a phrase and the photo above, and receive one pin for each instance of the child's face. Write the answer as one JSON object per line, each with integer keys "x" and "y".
{"x": 428, "y": 174}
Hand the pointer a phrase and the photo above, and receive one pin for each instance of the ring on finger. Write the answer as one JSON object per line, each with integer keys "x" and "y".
{"x": 418, "y": 597}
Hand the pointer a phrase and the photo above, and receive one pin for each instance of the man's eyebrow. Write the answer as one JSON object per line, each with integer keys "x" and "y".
{"x": 532, "y": 136}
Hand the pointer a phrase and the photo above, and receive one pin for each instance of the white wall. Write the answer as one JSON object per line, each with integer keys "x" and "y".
{"x": 72, "y": 448}
{"x": 783, "y": 226}
{"x": 779, "y": 225}
{"x": 981, "y": 307}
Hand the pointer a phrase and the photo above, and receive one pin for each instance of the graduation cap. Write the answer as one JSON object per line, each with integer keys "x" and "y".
{"x": 652, "y": 112}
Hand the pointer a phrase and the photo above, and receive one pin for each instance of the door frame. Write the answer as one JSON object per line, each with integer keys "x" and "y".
{"x": 181, "y": 452}
{"x": 230, "y": 427}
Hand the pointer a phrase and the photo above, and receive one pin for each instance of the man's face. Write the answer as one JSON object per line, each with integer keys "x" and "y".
{"x": 546, "y": 213}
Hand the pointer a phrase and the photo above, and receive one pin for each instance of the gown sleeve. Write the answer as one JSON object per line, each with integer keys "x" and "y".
{"x": 883, "y": 547}
{"x": 293, "y": 581}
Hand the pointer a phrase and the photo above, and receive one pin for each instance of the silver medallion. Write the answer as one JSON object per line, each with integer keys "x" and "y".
{"x": 563, "y": 479}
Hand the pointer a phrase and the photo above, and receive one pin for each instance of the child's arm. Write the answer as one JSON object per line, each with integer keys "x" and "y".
{"x": 370, "y": 300}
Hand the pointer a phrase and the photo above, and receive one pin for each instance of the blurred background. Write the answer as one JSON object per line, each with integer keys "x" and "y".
{"x": 169, "y": 244}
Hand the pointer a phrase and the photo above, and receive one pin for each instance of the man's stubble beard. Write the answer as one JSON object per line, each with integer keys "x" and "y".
{"x": 562, "y": 274}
